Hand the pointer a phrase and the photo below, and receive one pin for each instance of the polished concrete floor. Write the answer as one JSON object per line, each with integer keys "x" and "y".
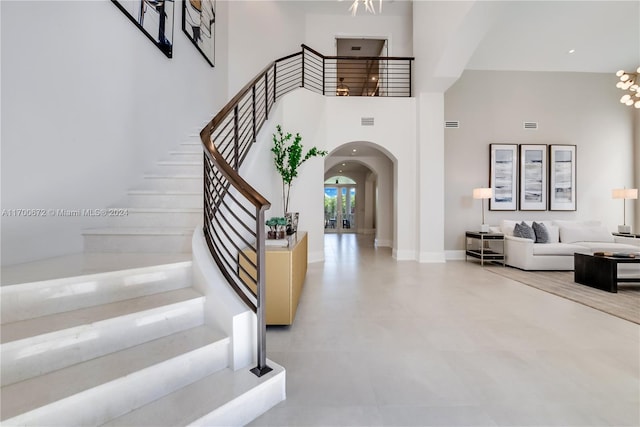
{"x": 383, "y": 343}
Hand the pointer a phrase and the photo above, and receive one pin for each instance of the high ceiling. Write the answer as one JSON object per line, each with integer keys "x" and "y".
{"x": 537, "y": 35}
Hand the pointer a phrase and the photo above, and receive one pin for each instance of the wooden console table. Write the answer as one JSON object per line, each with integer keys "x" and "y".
{"x": 286, "y": 269}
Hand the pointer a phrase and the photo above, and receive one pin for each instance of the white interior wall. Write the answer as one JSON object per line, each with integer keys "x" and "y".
{"x": 393, "y": 133}
{"x": 259, "y": 33}
{"x": 492, "y": 106}
{"x": 89, "y": 103}
{"x": 321, "y": 31}
{"x": 328, "y": 123}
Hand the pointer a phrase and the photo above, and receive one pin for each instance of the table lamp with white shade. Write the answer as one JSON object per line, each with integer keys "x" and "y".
{"x": 624, "y": 194}
{"x": 483, "y": 193}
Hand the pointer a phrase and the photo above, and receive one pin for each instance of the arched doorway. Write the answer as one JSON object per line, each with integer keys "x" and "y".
{"x": 362, "y": 199}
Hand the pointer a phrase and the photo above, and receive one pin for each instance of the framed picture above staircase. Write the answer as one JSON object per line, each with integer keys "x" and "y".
{"x": 154, "y": 18}
{"x": 198, "y": 23}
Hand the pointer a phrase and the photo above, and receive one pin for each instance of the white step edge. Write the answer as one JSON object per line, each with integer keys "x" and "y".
{"x": 140, "y": 231}
{"x": 42, "y": 298}
{"x": 149, "y": 192}
{"x": 226, "y": 398}
{"x": 96, "y": 391}
{"x": 179, "y": 162}
{"x": 37, "y": 346}
{"x": 172, "y": 176}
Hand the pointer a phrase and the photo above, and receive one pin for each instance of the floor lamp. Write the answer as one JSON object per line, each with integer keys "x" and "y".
{"x": 624, "y": 194}
{"x": 483, "y": 193}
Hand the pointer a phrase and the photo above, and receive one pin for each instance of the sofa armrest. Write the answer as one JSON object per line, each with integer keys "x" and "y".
{"x": 518, "y": 251}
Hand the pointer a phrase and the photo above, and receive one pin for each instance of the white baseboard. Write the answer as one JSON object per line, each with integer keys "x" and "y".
{"x": 383, "y": 243}
{"x": 455, "y": 255}
{"x": 403, "y": 255}
{"x": 432, "y": 257}
{"x": 317, "y": 256}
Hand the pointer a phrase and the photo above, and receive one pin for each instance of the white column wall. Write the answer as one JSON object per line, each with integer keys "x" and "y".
{"x": 431, "y": 218}
{"x": 636, "y": 170}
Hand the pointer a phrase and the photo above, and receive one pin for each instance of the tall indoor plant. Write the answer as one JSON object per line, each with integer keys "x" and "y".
{"x": 287, "y": 156}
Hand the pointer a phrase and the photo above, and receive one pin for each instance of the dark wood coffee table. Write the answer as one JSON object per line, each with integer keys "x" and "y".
{"x": 601, "y": 272}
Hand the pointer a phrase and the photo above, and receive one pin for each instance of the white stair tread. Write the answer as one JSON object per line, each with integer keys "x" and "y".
{"x": 165, "y": 192}
{"x": 77, "y": 318}
{"x": 196, "y": 400}
{"x": 160, "y": 210}
{"x": 180, "y": 162}
{"x": 33, "y": 393}
{"x": 36, "y": 298}
{"x": 142, "y": 231}
{"x": 172, "y": 176}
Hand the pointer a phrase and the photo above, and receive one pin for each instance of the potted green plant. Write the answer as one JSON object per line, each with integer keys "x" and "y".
{"x": 287, "y": 157}
{"x": 277, "y": 226}
{"x": 272, "y": 223}
{"x": 282, "y": 226}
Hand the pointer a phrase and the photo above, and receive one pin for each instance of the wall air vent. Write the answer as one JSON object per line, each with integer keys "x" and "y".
{"x": 356, "y": 47}
{"x": 366, "y": 121}
{"x": 451, "y": 124}
{"x": 531, "y": 125}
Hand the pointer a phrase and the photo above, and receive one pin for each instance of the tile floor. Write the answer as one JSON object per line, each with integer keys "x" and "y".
{"x": 383, "y": 343}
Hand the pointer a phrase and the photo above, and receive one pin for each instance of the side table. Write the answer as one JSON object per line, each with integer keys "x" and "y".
{"x": 478, "y": 245}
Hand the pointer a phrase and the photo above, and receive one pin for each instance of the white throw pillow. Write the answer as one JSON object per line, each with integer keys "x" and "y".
{"x": 585, "y": 234}
{"x": 554, "y": 233}
{"x": 507, "y": 226}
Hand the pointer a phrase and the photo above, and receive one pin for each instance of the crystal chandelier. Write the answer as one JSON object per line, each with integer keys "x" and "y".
{"x": 368, "y": 6}
{"x": 629, "y": 83}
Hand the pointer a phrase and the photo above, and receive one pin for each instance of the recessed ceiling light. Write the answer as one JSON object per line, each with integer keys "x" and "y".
{"x": 572, "y": 50}
{"x": 340, "y": 170}
{"x": 354, "y": 150}
{"x": 344, "y": 164}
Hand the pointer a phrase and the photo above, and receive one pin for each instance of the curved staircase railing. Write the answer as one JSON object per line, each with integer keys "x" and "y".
{"x": 233, "y": 209}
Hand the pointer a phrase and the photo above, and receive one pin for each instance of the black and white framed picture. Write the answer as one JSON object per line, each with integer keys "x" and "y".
{"x": 154, "y": 18}
{"x": 504, "y": 176}
{"x": 198, "y": 23}
{"x": 562, "y": 177}
{"x": 533, "y": 177}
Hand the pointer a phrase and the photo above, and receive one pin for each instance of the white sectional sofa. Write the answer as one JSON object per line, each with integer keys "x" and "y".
{"x": 565, "y": 238}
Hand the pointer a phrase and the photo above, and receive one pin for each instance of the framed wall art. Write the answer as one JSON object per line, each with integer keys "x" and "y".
{"x": 533, "y": 177}
{"x": 562, "y": 177}
{"x": 154, "y": 18}
{"x": 504, "y": 176}
{"x": 198, "y": 23}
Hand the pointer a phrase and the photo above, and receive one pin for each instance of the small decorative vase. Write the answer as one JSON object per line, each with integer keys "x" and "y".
{"x": 292, "y": 222}
{"x": 271, "y": 234}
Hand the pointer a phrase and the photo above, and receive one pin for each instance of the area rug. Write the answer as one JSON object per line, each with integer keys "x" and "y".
{"x": 625, "y": 304}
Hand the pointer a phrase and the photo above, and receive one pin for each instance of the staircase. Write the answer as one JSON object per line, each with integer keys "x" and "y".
{"x": 124, "y": 348}
{"x": 161, "y": 212}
